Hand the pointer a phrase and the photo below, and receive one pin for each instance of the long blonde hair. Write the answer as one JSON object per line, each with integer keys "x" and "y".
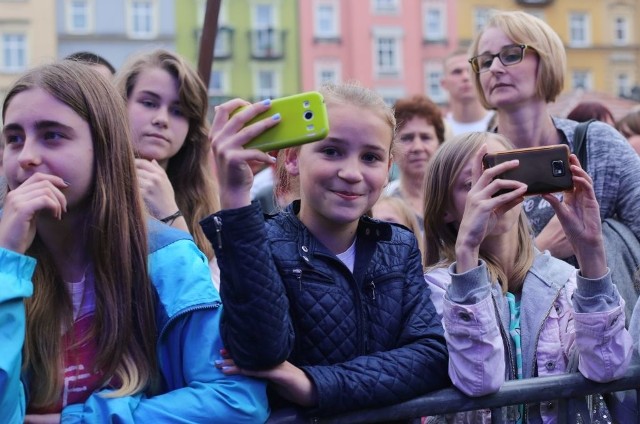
{"x": 124, "y": 326}
{"x": 440, "y": 237}
{"x": 190, "y": 169}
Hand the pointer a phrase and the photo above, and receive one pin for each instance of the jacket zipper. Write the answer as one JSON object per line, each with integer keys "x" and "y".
{"x": 506, "y": 341}
{"x": 298, "y": 273}
{"x": 214, "y": 305}
{"x": 218, "y": 223}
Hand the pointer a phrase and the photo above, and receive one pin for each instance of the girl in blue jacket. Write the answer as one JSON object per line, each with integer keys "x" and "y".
{"x": 103, "y": 313}
{"x": 334, "y": 302}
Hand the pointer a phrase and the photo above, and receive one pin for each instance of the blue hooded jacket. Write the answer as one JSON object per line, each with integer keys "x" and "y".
{"x": 188, "y": 318}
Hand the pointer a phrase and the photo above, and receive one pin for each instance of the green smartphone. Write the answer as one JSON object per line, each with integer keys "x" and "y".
{"x": 303, "y": 120}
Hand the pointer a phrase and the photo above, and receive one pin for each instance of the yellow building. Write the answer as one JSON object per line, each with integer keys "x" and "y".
{"x": 600, "y": 36}
{"x": 27, "y": 37}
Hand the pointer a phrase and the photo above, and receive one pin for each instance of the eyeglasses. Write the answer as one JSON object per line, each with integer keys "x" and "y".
{"x": 509, "y": 55}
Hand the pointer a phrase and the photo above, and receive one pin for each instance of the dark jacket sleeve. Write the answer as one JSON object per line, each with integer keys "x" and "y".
{"x": 255, "y": 327}
{"x": 416, "y": 366}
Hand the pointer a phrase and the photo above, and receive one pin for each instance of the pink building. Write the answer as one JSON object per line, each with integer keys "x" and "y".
{"x": 393, "y": 46}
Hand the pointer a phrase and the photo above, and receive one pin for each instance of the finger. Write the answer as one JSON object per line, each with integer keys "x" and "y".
{"x": 553, "y": 200}
{"x": 505, "y": 201}
{"x": 493, "y": 173}
{"x": 576, "y": 171}
{"x": 224, "y": 110}
{"x": 476, "y": 167}
{"x": 236, "y": 120}
{"x": 512, "y": 189}
{"x": 221, "y": 363}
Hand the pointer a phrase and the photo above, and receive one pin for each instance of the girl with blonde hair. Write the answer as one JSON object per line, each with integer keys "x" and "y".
{"x": 510, "y": 311}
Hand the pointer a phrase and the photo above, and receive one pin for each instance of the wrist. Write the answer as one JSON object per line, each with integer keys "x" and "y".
{"x": 169, "y": 219}
{"x": 234, "y": 200}
{"x": 466, "y": 258}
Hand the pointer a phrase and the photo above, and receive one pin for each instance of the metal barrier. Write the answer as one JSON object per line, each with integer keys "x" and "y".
{"x": 563, "y": 388}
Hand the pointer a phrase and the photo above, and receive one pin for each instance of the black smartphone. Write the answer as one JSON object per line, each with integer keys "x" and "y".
{"x": 542, "y": 169}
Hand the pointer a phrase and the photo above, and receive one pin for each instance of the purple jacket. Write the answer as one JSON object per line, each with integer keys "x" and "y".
{"x": 560, "y": 313}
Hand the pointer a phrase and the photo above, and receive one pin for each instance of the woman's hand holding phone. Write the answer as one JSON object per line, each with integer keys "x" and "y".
{"x": 228, "y": 135}
{"x": 579, "y": 214}
{"x": 483, "y": 208}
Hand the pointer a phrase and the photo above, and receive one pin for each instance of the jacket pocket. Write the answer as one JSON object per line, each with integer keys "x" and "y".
{"x": 308, "y": 278}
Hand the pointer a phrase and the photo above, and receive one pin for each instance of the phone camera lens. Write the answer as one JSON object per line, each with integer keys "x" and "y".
{"x": 308, "y": 115}
{"x": 557, "y": 168}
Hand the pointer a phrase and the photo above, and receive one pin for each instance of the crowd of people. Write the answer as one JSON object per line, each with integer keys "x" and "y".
{"x": 143, "y": 280}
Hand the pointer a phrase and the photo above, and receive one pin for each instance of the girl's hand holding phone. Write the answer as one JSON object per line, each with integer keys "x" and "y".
{"x": 579, "y": 215}
{"x": 40, "y": 193}
{"x": 228, "y": 135}
{"x": 482, "y": 211}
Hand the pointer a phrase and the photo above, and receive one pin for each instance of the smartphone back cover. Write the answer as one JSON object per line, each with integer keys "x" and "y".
{"x": 539, "y": 168}
{"x": 304, "y": 119}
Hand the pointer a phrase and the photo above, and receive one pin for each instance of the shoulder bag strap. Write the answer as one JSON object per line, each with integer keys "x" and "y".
{"x": 580, "y": 142}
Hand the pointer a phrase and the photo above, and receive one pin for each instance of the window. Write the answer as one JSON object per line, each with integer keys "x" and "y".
{"x": 386, "y": 6}
{"x": 434, "y": 20}
{"x": 218, "y": 83}
{"x": 581, "y": 80}
{"x": 326, "y": 72}
{"x": 264, "y": 39}
{"x": 480, "y": 17}
{"x": 433, "y": 73}
{"x": 386, "y": 60}
{"x": 623, "y": 85}
{"x": 142, "y": 18}
{"x": 14, "y": 52}
{"x": 79, "y": 16}
{"x": 266, "y": 84}
{"x": 387, "y": 51}
{"x": 621, "y": 30}
{"x": 578, "y": 30}
{"x": 326, "y": 20}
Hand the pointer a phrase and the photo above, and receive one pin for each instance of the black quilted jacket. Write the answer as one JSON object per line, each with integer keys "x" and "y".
{"x": 365, "y": 339}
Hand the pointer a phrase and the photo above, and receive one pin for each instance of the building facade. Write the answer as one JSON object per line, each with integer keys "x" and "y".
{"x": 27, "y": 37}
{"x": 256, "y": 51}
{"x": 394, "y": 46}
{"x": 600, "y": 37}
{"x": 114, "y": 29}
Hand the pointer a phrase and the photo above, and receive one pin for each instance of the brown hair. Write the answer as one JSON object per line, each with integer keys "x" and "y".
{"x": 190, "y": 170}
{"x": 124, "y": 325}
{"x": 422, "y": 107}
{"x": 585, "y": 111}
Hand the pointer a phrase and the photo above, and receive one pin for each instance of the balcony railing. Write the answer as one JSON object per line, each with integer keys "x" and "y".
{"x": 267, "y": 44}
{"x": 223, "y": 48}
{"x": 565, "y": 388}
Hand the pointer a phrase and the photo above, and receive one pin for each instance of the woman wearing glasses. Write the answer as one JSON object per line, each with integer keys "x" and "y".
{"x": 519, "y": 64}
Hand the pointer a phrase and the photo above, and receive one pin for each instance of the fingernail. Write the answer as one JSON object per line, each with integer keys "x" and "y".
{"x": 226, "y": 368}
{"x": 67, "y": 183}
{"x": 218, "y": 362}
{"x": 276, "y": 116}
{"x": 266, "y": 102}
